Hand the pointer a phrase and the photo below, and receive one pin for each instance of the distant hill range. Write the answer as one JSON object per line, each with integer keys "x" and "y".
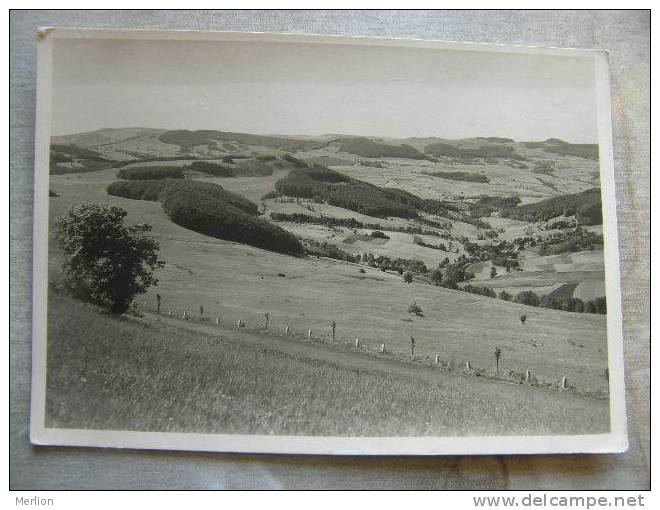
{"x": 101, "y": 148}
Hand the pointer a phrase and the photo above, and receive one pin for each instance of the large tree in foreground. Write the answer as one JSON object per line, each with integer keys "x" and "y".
{"x": 105, "y": 259}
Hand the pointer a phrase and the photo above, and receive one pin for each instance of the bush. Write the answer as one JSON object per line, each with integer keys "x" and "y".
{"x": 436, "y": 276}
{"x": 528, "y": 297}
{"x": 414, "y": 308}
{"x": 379, "y": 235}
{"x": 150, "y": 172}
{"x": 104, "y": 258}
{"x": 504, "y": 295}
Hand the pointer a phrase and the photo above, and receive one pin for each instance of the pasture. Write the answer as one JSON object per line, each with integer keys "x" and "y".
{"x": 192, "y": 381}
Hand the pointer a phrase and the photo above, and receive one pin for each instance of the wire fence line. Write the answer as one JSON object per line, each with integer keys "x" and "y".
{"x": 265, "y": 323}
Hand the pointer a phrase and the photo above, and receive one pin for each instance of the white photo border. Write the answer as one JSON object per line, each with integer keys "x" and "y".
{"x": 613, "y": 442}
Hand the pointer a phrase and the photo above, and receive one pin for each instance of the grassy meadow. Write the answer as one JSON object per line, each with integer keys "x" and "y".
{"x": 134, "y": 374}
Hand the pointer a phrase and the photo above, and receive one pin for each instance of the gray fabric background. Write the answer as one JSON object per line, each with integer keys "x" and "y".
{"x": 625, "y": 33}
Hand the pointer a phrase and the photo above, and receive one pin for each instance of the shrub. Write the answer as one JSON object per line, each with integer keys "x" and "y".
{"x": 504, "y": 295}
{"x": 107, "y": 260}
{"x": 150, "y": 172}
{"x": 408, "y": 277}
{"x": 436, "y": 276}
{"x": 528, "y": 297}
{"x": 414, "y": 308}
{"x": 379, "y": 235}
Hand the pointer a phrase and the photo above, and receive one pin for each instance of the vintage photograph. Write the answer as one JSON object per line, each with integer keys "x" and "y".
{"x": 281, "y": 243}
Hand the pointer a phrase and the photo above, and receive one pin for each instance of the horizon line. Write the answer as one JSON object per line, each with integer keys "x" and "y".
{"x": 280, "y": 135}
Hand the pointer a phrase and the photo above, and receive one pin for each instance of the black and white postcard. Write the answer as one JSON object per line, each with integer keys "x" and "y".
{"x": 312, "y": 244}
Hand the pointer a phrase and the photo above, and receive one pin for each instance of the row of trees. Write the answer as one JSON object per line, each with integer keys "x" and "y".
{"x": 324, "y": 185}
{"x": 332, "y": 222}
{"x": 151, "y": 172}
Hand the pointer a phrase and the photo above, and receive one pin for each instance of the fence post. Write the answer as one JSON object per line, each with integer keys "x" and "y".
{"x": 437, "y": 359}
{"x": 185, "y": 315}
{"x": 309, "y": 333}
{"x": 528, "y": 376}
{"x": 382, "y": 348}
{"x": 564, "y": 383}
{"x": 467, "y": 366}
{"x": 286, "y": 329}
{"x": 240, "y": 323}
{"x": 217, "y": 321}
{"x": 169, "y": 312}
{"x": 357, "y": 342}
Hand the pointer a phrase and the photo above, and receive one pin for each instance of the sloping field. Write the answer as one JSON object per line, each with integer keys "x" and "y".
{"x": 252, "y": 188}
{"x": 235, "y": 281}
{"x": 215, "y": 380}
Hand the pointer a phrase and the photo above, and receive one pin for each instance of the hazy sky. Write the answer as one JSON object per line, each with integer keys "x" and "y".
{"x": 312, "y": 89}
